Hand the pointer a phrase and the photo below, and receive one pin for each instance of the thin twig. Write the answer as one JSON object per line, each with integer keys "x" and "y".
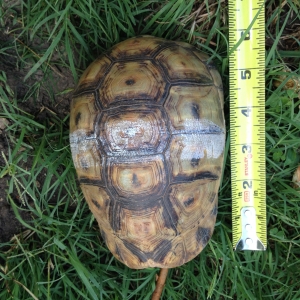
{"x": 160, "y": 283}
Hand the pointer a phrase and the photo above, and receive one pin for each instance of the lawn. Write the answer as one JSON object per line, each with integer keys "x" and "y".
{"x": 50, "y": 244}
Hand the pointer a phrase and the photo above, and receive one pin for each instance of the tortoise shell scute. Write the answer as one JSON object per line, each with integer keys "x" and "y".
{"x": 133, "y": 130}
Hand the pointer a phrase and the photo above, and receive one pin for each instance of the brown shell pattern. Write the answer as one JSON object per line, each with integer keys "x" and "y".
{"x": 147, "y": 138}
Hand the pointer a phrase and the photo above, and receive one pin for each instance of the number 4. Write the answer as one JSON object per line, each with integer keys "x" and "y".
{"x": 246, "y": 112}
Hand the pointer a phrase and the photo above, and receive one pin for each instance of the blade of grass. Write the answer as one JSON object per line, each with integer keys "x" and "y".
{"x": 49, "y": 51}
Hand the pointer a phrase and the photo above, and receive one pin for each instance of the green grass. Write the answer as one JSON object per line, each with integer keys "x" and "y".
{"x": 60, "y": 255}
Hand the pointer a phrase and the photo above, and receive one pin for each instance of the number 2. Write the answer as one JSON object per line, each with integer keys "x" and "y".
{"x": 247, "y": 184}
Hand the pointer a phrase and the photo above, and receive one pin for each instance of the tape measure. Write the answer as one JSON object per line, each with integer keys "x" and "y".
{"x": 247, "y": 123}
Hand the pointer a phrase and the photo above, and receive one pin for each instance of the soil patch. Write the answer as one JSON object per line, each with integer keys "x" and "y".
{"x": 47, "y": 100}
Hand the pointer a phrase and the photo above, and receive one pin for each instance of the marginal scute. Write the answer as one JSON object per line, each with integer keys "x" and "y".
{"x": 97, "y": 200}
{"x": 93, "y": 74}
{"x": 135, "y": 252}
{"x": 86, "y": 157}
{"x": 135, "y": 48}
{"x": 115, "y": 216}
{"x": 161, "y": 251}
{"x": 147, "y": 137}
{"x": 201, "y": 55}
{"x": 84, "y": 113}
{"x": 203, "y": 235}
{"x": 197, "y": 237}
{"x": 221, "y": 97}
{"x": 174, "y": 257}
{"x": 216, "y": 78}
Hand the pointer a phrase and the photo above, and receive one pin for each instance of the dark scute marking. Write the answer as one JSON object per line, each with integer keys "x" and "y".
{"x": 77, "y": 118}
{"x": 214, "y": 211}
{"x": 136, "y": 41}
{"x": 135, "y": 251}
{"x": 135, "y": 180}
{"x": 98, "y": 102}
{"x": 205, "y": 80}
{"x": 211, "y": 65}
{"x": 212, "y": 197}
{"x": 146, "y": 202}
{"x": 114, "y": 215}
{"x": 197, "y": 176}
{"x": 169, "y": 214}
{"x": 121, "y": 99}
{"x": 188, "y": 202}
{"x": 118, "y": 253}
{"x": 120, "y": 66}
{"x": 195, "y": 111}
{"x": 143, "y": 115}
{"x": 83, "y": 163}
{"x": 206, "y": 175}
{"x": 203, "y": 235}
{"x": 215, "y": 129}
{"x": 130, "y": 82}
{"x": 96, "y": 204}
{"x": 173, "y": 46}
{"x": 161, "y": 251}
{"x": 103, "y": 235}
{"x": 218, "y": 169}
{"x": 88, "y": 181}
{"x": 195, "y": 162}
{"x": 142, "y": 64}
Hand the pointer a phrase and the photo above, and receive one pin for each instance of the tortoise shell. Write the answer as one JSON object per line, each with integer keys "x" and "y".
{"x": 147, "y": 137}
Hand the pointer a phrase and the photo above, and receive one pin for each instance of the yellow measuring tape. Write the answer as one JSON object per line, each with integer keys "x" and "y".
{"x": 247, "y": 123}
